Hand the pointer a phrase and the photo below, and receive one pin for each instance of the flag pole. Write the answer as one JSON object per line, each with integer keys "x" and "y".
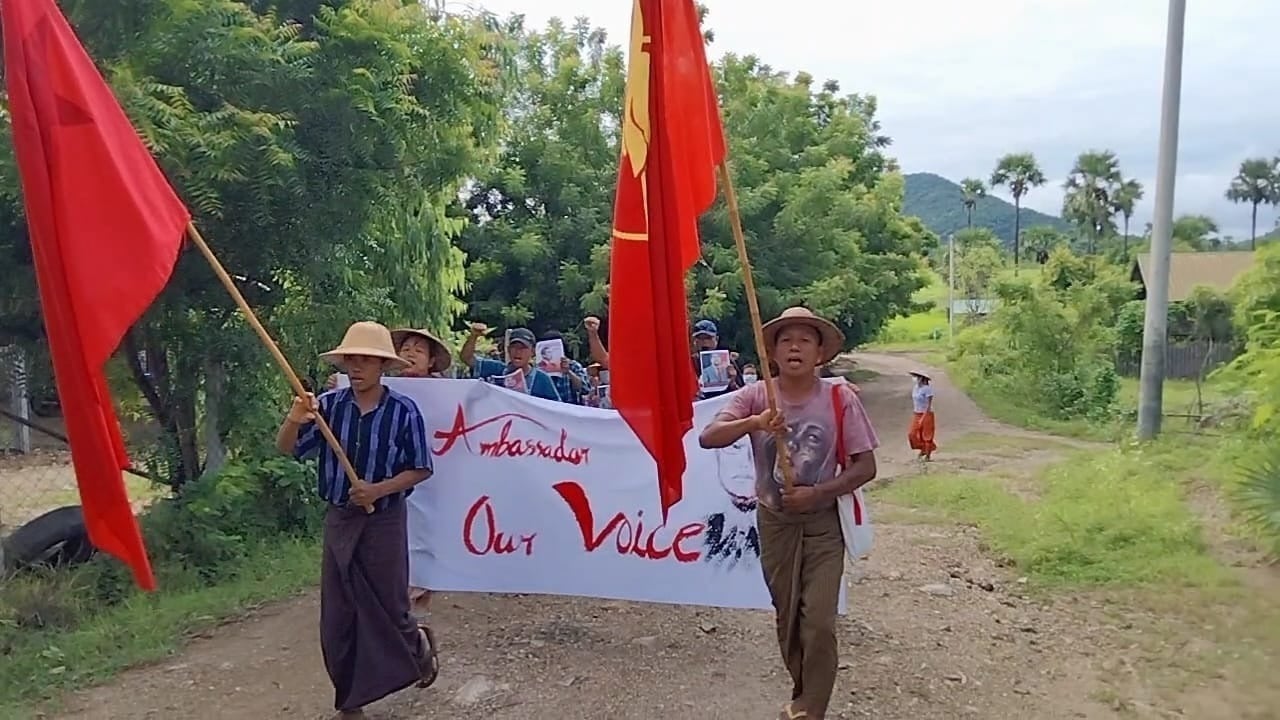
{"x": 290, "y": 375}
{"x": 757, "y": 325}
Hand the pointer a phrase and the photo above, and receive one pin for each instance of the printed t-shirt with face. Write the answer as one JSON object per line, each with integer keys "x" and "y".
{"x": 811, "y": 437}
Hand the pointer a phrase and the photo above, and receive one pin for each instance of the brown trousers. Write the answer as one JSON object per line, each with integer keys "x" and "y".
{"x": 803, "y": 560}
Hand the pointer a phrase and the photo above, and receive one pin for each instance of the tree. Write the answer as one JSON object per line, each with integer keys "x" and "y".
{"x": 537, "y": 254}
{"x": 977, "y": 267}
{"x": 321, "y": 157}
{"x": 821, "y": 211}
{"x": 1089, "y": 189}
{"x": 1256, "y": 183}
{"x": 1124, "y": 200}
{"x": 974, "y": 190}
{"x": 1020, "y": 173}
{"x": 1198, "y": 233}
{"x": 1041, "y": 240}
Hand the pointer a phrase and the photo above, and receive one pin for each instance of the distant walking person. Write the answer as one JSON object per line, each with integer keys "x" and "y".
{"x": 372, "y": 646}
{"x": 922, "y": 420}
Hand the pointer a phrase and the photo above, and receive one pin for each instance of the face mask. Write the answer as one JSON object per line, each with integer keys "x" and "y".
{"x": 748, "y": 378}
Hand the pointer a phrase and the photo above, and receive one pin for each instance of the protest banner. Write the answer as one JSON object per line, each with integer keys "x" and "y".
{"x": 532, "y": 496}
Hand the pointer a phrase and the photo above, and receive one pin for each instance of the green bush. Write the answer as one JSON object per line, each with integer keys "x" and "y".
{"x": 1047, "y": 348}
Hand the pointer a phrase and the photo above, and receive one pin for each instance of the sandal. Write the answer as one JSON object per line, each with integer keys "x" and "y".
{"x": 789, "y": 714}
{"x": 430, "y": 665}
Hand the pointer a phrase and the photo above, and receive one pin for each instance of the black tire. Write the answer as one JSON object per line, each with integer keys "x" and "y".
{"x": 55, "y": 539}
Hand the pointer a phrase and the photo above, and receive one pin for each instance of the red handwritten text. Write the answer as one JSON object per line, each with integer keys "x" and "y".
{"x": 629, "y": 536}
{"x": 508, "y": 444}
{"x": 491, "y": 539}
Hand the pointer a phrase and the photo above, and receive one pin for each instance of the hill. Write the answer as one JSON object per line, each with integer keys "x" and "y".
{"x": 940, "y": 204}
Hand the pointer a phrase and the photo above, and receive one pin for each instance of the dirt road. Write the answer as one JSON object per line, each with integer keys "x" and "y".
{"x": 936, "y": 630}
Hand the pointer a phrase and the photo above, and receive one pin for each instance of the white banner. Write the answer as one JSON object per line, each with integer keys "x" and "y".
{"x": 532, "y": 496}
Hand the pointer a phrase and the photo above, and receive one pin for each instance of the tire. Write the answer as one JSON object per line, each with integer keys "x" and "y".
{"x": 55, "y": 539}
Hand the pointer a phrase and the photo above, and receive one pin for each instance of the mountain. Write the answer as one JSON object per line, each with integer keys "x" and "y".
{"x": 940, "y": 204}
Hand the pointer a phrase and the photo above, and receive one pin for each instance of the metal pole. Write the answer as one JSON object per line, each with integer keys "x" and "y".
{"x": 1155, "y": 328}
{"x": 951, "y": 288}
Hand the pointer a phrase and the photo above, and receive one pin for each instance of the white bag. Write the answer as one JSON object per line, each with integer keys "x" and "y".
{"x": 855, "y": 522}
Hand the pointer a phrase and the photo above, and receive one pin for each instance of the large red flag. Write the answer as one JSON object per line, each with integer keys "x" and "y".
{"x": 105, "y": 228}
{"x": 672, "y": 142}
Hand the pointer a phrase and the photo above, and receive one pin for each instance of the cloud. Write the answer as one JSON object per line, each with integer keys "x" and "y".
{"x": 960, "y": 84}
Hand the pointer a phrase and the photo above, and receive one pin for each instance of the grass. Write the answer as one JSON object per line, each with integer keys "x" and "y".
{"x": 38, "y": 663}
{"x": 1112, "y": 518}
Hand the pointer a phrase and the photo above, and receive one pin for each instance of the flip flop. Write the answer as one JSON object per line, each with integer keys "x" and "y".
{"x": 431, "y": 662}
{"x": 789, "y": 714}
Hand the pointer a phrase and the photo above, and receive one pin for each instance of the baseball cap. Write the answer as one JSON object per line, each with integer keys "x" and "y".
{"x": 524, "y": 336}
{"x": 705, "y": 327}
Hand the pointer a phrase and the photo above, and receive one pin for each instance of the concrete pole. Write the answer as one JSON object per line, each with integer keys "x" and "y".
{"x": 951, "y": 288}
{"x": 1155, "y": 329}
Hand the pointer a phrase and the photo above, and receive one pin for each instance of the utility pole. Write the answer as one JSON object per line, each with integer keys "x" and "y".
{"x": 951, "y": 288}
{"x": 1155, "y": 328}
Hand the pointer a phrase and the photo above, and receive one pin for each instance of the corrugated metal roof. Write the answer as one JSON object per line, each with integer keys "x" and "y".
{"x": 1217, "y": 270}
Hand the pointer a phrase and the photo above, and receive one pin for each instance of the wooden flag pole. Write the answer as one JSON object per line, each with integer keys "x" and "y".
{"x": 757, "y": 325}
{"x": 290, "y": 375}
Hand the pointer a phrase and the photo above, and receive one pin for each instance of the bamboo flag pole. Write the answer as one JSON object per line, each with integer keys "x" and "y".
{"x": 757, "y": 325}
{"x": 298, "y": 389}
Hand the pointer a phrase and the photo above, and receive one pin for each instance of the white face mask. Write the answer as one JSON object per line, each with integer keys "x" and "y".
{"x": 748, "y": 378}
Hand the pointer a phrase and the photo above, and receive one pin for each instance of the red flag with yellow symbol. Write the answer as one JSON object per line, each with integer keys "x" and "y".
{"x": 672, "y": 143}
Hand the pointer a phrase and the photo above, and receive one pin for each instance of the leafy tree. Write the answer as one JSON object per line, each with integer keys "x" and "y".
{"x": 1020, "y": 173}
{"x": 1256, "y": 183}
{"x": 1090, "y": 186}
{"x": 1041, "y": 240}
{"x": 977, "y": 267}
{"x": 974, "y": 190}
{"x": 1123, "y": 202}
{"x": 537, "y": 254}
{"x": 1198, "y": 233}
{"x": 319, "y": 155}
{"x": 821, "y": 213}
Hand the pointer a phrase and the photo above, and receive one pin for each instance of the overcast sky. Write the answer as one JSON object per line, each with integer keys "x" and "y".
{"x": 961, "y": 83}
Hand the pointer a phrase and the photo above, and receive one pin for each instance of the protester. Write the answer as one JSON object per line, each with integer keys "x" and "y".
{"x": 706, "y": 337}
{"x": 428, "y": 357}
{"x": 923, "y": 423}
{"x": 520, "y": 345}
{"x": 801, "y": 545}
{"x": 749, "y": 374}
{"x": 371, "y": 645}
{"x": 599, "y": 354}
{"x": 573, "y": 384}
{"x": 426, "y": 354}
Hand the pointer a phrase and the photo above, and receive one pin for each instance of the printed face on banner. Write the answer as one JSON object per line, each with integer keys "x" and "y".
{"x": 530, "y": 496}
{"x": 549, "y": 354}
{"x": 715, "y": 370}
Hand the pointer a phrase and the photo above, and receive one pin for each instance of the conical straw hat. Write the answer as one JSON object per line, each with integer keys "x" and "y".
{"x": 369, "y": 339}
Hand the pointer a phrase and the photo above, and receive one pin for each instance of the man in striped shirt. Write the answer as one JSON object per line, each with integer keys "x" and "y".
{"x": 371, "y": 645}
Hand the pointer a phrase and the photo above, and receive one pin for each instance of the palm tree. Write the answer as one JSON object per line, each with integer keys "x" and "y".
{"x": 1257, "y": 182}
{"x": 1122, "y": 204}
{"x": 1019, "y": 172}
{"x": 1090, "y": 186}
{"x": 973, "y": 191}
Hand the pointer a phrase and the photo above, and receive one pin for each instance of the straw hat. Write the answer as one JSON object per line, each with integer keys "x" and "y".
{"x": 369, "y": 339}
{"x": 832, "y": 338}
{"x": 917, "y": 373}
{"x": 441, "y": 358}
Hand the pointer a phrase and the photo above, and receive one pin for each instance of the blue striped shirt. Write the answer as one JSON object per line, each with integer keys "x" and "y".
{"x": 382, "y": 443}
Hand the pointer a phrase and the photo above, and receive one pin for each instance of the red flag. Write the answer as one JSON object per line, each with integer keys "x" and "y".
{"x": 105, "y": 230}
{"x": 672, "y": 142}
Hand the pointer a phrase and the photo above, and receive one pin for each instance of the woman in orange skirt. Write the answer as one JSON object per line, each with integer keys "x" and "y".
{"x": 922, "y": 421}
